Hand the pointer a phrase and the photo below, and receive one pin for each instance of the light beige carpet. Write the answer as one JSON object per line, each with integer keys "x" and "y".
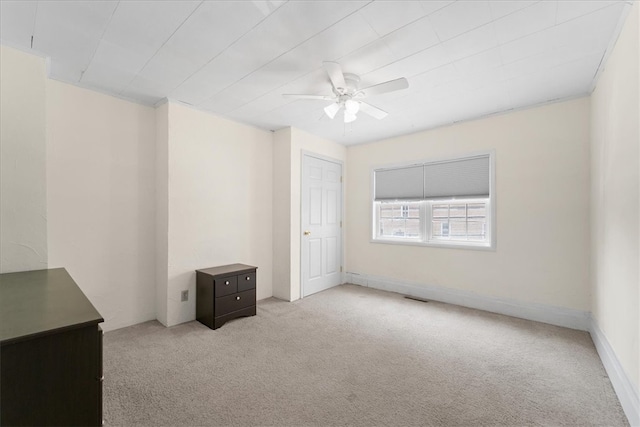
{"x": 356, "y": 356}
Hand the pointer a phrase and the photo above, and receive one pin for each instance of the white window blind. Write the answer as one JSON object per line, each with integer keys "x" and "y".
{"x": 459, "y": 178}
{"x": 399, "y": 184}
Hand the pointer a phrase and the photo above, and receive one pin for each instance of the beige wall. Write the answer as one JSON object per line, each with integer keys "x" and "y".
{"x": 282, "y": 214}
{"x": 219, "y": 202}
{"x": 23, "y": 183}
{"x": 615, "y": 195}
{"x": 289, "y": 146}
{"x": 542, "y": 186}
{"x": 162, "y": 211}
{"x": 101, "y": 199}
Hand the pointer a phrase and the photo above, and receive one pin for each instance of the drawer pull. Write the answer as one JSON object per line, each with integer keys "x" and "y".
{"x": 248, "y": 278}
{"x": 226, "y": 283}
{"x": 237, "y": 298}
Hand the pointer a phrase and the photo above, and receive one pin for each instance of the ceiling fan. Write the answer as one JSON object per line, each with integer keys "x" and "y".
{"x": 347, "y": 94}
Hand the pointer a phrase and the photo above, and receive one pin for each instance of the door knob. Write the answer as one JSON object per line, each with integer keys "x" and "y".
{"x": 306, "y": 233}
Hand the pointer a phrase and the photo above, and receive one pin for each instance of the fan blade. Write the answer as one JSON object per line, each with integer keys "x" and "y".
{"x": 332, "y": 109}
{"x": 303, "y": 96}
{"x": 334, "y": 70}
{"x": 380, "y": 88}
{"x": 374, "y": 112}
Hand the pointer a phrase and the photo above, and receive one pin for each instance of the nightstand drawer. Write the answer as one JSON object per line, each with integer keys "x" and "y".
{"x": 246, "y": 281}
{"x": 225, "y": 286}
{"x": 229, "y": 303}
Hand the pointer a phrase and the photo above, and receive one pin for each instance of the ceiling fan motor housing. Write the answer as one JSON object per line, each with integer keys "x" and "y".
{"x": 351, "y": 83}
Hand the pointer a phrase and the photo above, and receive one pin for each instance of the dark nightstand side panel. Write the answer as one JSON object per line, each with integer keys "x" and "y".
{"x": 100, "y": 374}
{"x": 204, "y": 299}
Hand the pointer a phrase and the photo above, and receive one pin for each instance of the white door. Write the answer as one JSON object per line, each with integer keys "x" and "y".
{"x": 321, "y": 225}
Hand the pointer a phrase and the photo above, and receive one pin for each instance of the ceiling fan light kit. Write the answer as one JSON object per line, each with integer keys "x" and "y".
{"x": 351, "y": 106}
{"x": 349, "y": 117}
{"x": 331, "y": 110}
{"x": 345, "y": 89}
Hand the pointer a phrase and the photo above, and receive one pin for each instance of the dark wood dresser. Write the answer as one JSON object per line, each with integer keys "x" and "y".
{"x": 50, "y": 351}
{"x": 224, "y": 293}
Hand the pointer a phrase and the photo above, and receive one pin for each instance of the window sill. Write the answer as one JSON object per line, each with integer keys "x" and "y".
{"x": 434, "y": 244}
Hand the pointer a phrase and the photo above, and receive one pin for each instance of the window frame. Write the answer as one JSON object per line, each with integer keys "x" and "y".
{"x": 426, "y": 238}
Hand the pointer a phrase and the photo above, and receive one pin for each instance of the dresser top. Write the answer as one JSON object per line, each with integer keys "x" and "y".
{"x": 226, "y": 270}
{"x": 40, "y": 302}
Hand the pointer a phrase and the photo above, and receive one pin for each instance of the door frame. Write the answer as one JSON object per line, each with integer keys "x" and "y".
{"x": 304, "y": 153}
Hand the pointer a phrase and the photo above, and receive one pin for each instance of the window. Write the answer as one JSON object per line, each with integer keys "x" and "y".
{"x": 465, "y": 222}
{"x": 399, "y": 220}
{"x": 440, "y": 203}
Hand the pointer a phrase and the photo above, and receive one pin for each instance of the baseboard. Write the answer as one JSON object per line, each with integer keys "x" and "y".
{"x": 568, "y": 318}
{"x": 112, "y": 325}
{"x": 624, "y": 388}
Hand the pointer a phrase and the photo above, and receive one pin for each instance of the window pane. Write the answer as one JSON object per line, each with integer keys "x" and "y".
{"x": 439, "y": 229}
{"x": 400, "y": 228}
{"x": 397, "y": 227}
{"x": 412, "y": 228}
{"x": 399, "y": 219}
{"x": 476, "y": 230}
{"x": 440, "y": 211}
{"x": 386, "y": 210}
{"x": 459, "y": 221}
{"x": 458, "y": 211}
{"x": 477, "y": 210}
{"x": 458, "y": 229}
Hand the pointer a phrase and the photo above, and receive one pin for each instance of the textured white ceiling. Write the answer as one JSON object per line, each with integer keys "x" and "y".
{"x": 463, "y": 59}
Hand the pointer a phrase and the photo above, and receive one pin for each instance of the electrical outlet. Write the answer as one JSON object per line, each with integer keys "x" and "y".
{"x": 184, "y": 296}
